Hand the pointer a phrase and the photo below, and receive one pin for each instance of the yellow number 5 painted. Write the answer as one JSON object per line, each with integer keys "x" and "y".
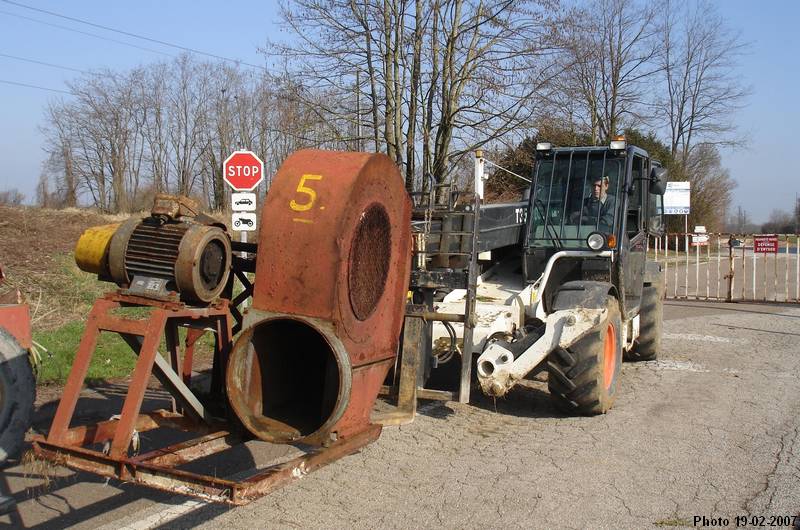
{"x": 302, "y": 188}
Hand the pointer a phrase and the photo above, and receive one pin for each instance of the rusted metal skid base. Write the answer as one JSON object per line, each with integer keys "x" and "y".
{"x": 159, "y": 468}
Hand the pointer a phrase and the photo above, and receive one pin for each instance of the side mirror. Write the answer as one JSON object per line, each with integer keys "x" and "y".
{"x": 658, "y": 180}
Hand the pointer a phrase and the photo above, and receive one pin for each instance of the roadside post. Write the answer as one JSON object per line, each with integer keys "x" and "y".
{"x": 699, "y": 239}
{"x": 732, "y": 242}
{"x": 243, "y": 171}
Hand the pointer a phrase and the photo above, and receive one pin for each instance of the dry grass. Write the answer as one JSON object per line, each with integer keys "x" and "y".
{"x": 36, "y": 246}
{"x": 39, "y": 468}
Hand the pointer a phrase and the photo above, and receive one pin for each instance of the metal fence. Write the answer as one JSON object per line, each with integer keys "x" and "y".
{"x": 729, "y": 267}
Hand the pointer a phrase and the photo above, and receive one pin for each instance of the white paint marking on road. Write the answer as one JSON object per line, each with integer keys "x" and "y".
{"x": 704, "y": 338}
{"x": 175, "y": 507}
{"x": 172, "y": 512}
{"x": 684, "y": 366}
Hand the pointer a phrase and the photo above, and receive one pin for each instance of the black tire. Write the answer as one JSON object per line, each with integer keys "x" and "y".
{"x": 583, "y": 378}
{"x": 17, "y": 394}
{"x": 651, "y": 319}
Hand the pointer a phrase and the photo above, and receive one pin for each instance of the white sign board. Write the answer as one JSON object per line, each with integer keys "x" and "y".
{"x": 677, "y": 198}
{"x": 243, "y": 202}
{"x": 243, "y": 221}
{"x": 700, "y": 236}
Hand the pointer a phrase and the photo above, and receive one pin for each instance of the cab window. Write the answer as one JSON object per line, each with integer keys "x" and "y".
{"x": 635, "y": 204}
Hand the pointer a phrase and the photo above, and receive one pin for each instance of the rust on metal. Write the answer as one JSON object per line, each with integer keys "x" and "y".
{"x": 175, "y": 253}
{"x": 157, "y": 469}
{"x": 102, "y": 318}
{"x": 15, "y": 319}
{"x": 328, "y": 305}
{"x": 369, "y": 261}
{"x": 326, "y": 317}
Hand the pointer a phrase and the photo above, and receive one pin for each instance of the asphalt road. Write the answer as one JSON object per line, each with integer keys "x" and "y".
{"x": 711, "y": 429}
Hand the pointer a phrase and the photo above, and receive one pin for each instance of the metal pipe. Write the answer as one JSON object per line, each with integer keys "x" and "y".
{"x": 686, "y": 272}
{"x": 677, "y": 257}
{"x": 440, "y": 317}
{"x": 744, "y": 268}
{"x": 708, "y": 266}
{"x": 755, "y": 266}
{"x": 697, "y": 271}
{"x": 666, "y": 263}
{"x": 786, "y": 270}
{"x": 719, "y": 257}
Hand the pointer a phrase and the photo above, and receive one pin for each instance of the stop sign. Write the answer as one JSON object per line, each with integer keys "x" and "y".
{"x": 243, "y": 170}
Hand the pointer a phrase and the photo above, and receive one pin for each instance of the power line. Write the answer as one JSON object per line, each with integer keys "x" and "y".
{"x": 36, "y": 86}
{"x": 34, "y": 61}
{"x": 109, "y": 39}
{"x": 134, "y": 35}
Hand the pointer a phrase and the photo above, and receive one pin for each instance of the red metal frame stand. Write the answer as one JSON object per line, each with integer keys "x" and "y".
{"x": 159, "y": 468}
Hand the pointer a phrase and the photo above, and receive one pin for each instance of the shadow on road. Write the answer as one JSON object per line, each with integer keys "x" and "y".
{"x": 65, "y": 514}
{"x": 53, "y": 502}
{"x": 739, "y": 307}
{"x": 759, "y": 330}
{"x": 529, "y": 399}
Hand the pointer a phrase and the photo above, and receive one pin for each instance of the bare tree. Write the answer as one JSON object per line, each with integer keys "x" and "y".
{"x": 460, "y": 72}
{"x": 712, "y": 187}
{"x": 611, "y": 50}
{"x": 698, "y": 64}
{"x": 11, "y": 197}
{"x": 780, "y": 222}
{"x": 189, "y": 106}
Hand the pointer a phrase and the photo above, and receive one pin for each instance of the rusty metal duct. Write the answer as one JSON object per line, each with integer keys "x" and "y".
{"x": 331, "y": 278}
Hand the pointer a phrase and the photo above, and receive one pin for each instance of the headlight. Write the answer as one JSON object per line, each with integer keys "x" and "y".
{"x": 596, "y": 241}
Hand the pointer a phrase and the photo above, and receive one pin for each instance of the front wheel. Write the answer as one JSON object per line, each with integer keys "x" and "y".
{"x": 17, "y": 394}
{"x": 582, "y": 379}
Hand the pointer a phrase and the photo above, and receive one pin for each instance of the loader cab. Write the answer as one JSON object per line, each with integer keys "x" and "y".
{"x": 601, "y": 200}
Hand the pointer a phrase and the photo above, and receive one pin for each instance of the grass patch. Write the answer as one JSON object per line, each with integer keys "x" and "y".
{"x": 113, "y": 359}
{"x": 62, "y": 294}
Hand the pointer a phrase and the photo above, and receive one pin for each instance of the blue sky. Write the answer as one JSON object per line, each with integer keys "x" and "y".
{"x": 766, "y": 176}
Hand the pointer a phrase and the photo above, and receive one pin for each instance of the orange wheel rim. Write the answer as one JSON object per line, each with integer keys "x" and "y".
{"x": 609, "y": 355}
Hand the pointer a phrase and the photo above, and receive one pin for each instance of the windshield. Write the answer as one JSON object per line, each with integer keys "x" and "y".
{"x": 575, "y": 194}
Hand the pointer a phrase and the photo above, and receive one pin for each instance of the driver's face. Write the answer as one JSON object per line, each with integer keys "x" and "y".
{"x": 598, "y": 188}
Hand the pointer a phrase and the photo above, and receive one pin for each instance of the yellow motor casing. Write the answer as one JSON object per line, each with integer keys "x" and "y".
{"x": 91, "y": 251}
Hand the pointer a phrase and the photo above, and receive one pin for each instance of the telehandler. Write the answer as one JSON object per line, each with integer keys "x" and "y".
{"x": 580, "y": 293}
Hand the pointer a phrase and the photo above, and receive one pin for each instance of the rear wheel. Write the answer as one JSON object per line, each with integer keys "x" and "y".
{"x": 583, "y": 378}
{"x": 651, "y": 317}
{"x": 17, "y": 393}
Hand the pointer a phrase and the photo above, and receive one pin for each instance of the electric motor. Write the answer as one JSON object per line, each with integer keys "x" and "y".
{"x": 175, "y": 253}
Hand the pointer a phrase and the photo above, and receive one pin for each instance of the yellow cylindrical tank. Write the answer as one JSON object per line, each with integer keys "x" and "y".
{"x": 91, "y": 251}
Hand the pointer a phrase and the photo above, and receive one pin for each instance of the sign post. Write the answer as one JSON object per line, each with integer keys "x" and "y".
{"x": 243, "y": 171}
{"x": 677, "y": 201}
{"x": 765, "y": 244}
{"x": 700, "y": 236}
{"x": 677, "y": 198}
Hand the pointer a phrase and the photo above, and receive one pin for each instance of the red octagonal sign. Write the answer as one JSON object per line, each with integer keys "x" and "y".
{"x": 243, "y": 170}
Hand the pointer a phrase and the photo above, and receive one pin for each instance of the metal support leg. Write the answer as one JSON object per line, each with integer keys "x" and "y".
{"x": 192, "y": 336}
{"x": 80, "y": 367}
{"x": 410, "y": 367}
{"x": 138, "y": 386}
